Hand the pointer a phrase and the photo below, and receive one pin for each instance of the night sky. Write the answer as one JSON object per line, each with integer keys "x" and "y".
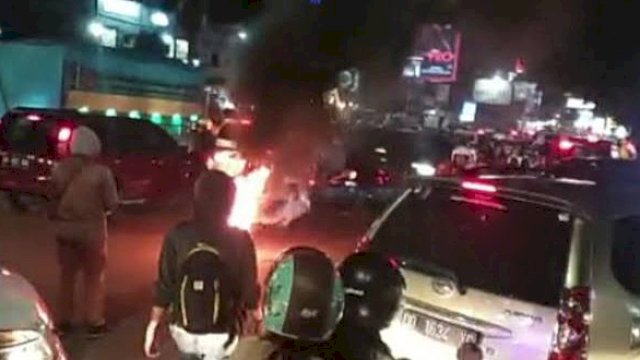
{"x": 586, "y": 46}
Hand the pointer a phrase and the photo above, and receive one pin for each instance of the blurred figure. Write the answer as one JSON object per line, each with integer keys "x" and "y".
{"x": 469, "y": 351}
{"x": 373, "y": 292}
{"x": 207, "y": 276}
{"x": 303, "y": 303}
{"x": 462, "y": 159}
{"x": 85, "y": 192}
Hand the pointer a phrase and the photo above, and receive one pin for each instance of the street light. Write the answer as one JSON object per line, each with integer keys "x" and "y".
{"x": 243, "y": 35}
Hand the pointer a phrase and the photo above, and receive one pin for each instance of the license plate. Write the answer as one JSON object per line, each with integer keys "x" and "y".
{"x": 440, "y": 331}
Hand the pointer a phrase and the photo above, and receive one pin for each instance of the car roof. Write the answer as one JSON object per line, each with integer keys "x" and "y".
{"x": 20, "y": 304}
{"x": 564, "y": 194}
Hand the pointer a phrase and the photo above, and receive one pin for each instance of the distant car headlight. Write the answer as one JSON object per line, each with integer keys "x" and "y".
{"x": 25, "y": 345}
{"x": 424, "y": 168}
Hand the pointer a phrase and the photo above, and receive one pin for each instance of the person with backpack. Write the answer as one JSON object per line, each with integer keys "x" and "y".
{"x": 373, "y": 287}
{"x": 84, "y": 193}
{"x": 303, "y": 303}
{"x": 207, "y": 277}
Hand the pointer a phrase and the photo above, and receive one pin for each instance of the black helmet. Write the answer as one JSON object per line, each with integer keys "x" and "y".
{"x": 304, "y": 297}
{"x": 373, "y": 290}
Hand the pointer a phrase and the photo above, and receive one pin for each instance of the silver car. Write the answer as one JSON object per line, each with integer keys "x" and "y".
{"x": 521, "y": 267}
{"x": 26, "y": 328}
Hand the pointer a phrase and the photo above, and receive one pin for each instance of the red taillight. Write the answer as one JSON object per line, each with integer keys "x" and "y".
{"x": 572, "y": 333}
{"x": 64, "y": 134}
{"x": 481, "y": 187}
{"x": 565, "y": 145}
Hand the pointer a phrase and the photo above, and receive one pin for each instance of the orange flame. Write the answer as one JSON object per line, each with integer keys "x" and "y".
{"x": 249, "y": 191}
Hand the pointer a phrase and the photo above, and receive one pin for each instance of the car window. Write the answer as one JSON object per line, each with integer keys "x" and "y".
{"x": 518, "y": 251}
{"x": 23, "y": 135}
{"x": 625, "y": 256}
{"x": 135, "y": 136}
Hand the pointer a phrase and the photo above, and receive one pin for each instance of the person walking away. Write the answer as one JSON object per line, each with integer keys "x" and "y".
{"x": 84, "y": 193}
{"x": 207, "y": 277}
{"x": 373, "y": 288}
{"x": 303, "y": 302}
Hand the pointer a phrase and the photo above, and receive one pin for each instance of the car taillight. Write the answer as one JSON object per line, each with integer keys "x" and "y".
{"x": 64, "y": 134}
{"x": 565, "y": 145}
{"x": 572, "y": 329}
{"x": 478, "y": 186}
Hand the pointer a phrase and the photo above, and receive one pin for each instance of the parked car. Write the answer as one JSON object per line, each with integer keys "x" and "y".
{"x": 511, "y": 266}
{"x": 147, "y": 162}
{"x": 26, "y": 329}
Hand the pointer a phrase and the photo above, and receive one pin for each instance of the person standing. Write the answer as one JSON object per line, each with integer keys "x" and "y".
{"x": 84, "y": 193}
{"x": 207, "y": 277}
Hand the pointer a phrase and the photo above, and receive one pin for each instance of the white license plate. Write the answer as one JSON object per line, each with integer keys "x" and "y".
{"x": 439, "y": 330}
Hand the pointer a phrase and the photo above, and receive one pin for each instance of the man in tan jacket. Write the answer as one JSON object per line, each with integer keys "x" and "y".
{"x": 85, "y": 193}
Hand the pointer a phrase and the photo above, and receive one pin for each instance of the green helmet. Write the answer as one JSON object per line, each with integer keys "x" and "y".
{"x": 304, "y": 298}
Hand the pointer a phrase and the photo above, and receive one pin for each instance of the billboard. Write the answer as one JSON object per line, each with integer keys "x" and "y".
{"x": 493, "y": 91}
{"x": 436, "y": 55}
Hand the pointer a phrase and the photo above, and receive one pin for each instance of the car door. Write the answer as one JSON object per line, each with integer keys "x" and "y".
{"x": 132, "y": 160}
{"x": 478, "y": 269}
{"x": 173, "y": 167}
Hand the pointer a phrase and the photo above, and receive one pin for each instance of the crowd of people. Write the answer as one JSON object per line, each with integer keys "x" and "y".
{"x": 207, "y": 293}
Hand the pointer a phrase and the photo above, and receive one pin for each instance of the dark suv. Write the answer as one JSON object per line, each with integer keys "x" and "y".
{"x": 147, "y": 163}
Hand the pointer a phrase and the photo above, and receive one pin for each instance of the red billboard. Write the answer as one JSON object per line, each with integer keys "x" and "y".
{"x": 437, "y": 48}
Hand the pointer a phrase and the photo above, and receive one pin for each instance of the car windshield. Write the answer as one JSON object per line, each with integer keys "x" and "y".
{"x": 484, "y": 242}
{"x": 27, "y": 133}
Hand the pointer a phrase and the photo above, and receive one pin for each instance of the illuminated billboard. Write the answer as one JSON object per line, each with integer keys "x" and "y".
{"x": 436, "y": 55}
{"x": 493, "y": 91}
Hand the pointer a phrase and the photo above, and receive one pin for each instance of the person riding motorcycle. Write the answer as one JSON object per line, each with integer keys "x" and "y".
{"x": 373, "y": 292}
{"x": 303, "y": 303}
{"x": 463, "y": 158}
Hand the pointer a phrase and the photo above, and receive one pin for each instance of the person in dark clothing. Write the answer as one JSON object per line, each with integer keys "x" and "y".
{"x": 373, "y": 291}
{"x": 213, "y": 199}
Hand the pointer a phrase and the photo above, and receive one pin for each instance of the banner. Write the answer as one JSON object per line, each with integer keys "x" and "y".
{"x": 436, "y": 55}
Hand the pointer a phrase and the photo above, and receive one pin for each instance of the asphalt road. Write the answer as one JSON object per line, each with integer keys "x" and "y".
{"x": 27, "y": 246}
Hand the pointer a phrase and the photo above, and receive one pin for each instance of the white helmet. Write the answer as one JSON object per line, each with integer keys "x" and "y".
{"x": 465, "y": 151}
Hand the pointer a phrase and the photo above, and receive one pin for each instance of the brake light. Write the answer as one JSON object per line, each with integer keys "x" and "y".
{"x": 572, "y": 330}
{"x": 64, "y": 134}
{"x": 245, "y": 122}
{"x": 481, "y": 187}
{"x": 565, "y": 145}
{"x": 34, "y": 117}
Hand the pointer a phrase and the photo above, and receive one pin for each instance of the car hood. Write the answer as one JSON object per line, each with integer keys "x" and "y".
{"x": 20, "y": 304}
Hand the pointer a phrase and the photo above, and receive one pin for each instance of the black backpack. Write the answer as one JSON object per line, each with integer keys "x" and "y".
{"x": 205, "y": 303}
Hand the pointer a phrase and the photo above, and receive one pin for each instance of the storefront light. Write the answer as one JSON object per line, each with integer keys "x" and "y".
{"x": 134, "y": 114}
{"x": 167, "y": 38}
{"x": 176, "y": 120}
{"x": 194, "y": 117}
{"x": 96, "y": 29}
{"x": 126, "y": 8}
{"x": 156, "y": 118}
{"x": 111, "y": 112}
{"x": 84, "y": 109}
{"x": 158, "y": 18}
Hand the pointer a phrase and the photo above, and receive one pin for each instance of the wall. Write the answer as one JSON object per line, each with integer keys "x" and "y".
{"x": 30, "y": 75}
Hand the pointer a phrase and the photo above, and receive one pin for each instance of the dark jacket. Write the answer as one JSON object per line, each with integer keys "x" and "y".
{"x": 353, "y": 343}
{"x": 236, "y": 249}
{"x": 272, "y": 347}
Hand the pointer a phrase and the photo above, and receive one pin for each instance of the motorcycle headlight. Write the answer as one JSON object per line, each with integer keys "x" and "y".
{"x": 24, "y": 345}
{"x": 424, "y": 168}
